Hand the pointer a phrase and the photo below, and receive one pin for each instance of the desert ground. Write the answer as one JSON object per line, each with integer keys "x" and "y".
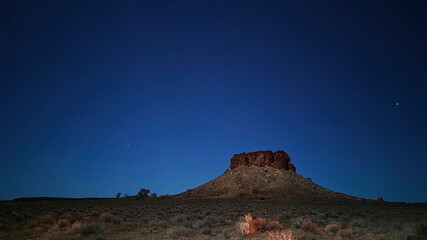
{"x": 171, "y": 217}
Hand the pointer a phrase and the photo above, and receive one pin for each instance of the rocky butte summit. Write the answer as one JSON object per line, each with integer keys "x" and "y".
{"x": 278, "y": 160}
{"x": 263, "y": 174}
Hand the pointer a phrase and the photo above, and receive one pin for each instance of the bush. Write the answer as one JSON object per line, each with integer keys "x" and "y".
{"x": 333, "y": 227}
{"x": 178, "y": 218}
{"x": 274, "y": 225}
{"x": 345, "y": 233}
{"x": 2, "y": 226}
{"x": 358, "y": 223}
{"x": 17, "y": 216}
{"x": 110, "y": 218}
{"x": 178, "y": 231}
{"x": 143, "y": 193}
{"x": 421, "y": 231}
{"x": 63, "y": 222}
{"x": 85, "y": 229}
{"x": 206, "y": 230}
{"x": 47, "y": 218}
{"x": 250, "y": 225}
{"x": 308, "y": 226}
{"x": 207, "y": 221}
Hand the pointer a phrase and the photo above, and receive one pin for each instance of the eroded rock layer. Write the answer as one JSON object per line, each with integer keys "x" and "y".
{"x": 278, "y": 160}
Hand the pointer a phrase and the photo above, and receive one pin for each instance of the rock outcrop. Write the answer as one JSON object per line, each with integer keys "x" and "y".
{"x": 279, "y": 160}
{"x": 262, "y": 174}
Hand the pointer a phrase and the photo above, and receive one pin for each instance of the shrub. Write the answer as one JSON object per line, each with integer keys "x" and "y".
{"x": 63, "y": 222}
{"x": 333, "y": 227}
{"x": 250, "y": 225}
{"x": 178, "y": 218}
{"x": 143, "y": 193}
{"x": 274, "y": 225}
{"x": 345, "y": 233}
{"x": 178, "y": 231}
{"x": 118, "y": 195}
{"x": 187, "y": 224}
{"x": 39, "y": 229}
{"x": 86, "y": 218}
{"x": 226, "y": 233}
{"x": 421, "y": 231}
{"x": 206, "y": 230}
{"x": 358, "y": 223}
{"x": 245, "y": 225}
{"x": 296, "y": 223}
{"x": 47, "y": 218}
{"x": 110, "y": 218}
{"x": 85, "y": 229}
{"x": 105, "y": 216}
{"x": 308, "y": 226}
{"x": 17, "y": 216}
{"x": 282, "y": 235}
{"x": 207, "y": 221}
{"x": 2, "y": 226}
{"x": 258, "y": 225}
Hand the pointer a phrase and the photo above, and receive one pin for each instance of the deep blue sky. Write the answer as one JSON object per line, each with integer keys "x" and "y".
{"x": 100, "y": 97}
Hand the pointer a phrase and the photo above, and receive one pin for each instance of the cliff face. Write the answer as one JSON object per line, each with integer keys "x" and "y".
{"x": 278, "y": 160}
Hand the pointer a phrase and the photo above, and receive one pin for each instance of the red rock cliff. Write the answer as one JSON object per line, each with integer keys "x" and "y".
{"x": 278, "y": 159}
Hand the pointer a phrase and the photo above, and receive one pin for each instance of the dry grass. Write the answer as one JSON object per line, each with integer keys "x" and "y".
{"x": 274, "y": 225}
{"x": 251, "y": 225}
{"x": 282, "y": 235}
{"x": 245, "y": 225}
{"x": 209, "y": 219}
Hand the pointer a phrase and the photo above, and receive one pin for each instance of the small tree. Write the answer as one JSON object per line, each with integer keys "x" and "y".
{"x": 153, "y": 195}
{"x": 143, "y": 193}
{"x": 118, "y": 195}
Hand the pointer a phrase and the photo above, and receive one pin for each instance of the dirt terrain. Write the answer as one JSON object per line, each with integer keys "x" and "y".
{"x": 207, "y": 218}
{"x": 263, "y": 182}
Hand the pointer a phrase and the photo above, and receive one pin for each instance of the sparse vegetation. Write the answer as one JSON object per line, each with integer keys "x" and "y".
{"x": 175, "y": 218}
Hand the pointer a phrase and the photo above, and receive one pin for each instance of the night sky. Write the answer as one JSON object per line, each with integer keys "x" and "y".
{"x": 100, "y": 97}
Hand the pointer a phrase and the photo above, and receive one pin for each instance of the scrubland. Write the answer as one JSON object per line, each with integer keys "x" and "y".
{"x": 183, "y": 218}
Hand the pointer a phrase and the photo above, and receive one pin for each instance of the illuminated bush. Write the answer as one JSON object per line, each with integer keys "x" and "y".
{"x": 250, "y": 225}
{"x": 309, "y": 226}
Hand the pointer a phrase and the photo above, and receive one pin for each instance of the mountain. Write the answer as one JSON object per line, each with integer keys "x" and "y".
{"x": 262, "y": 174}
